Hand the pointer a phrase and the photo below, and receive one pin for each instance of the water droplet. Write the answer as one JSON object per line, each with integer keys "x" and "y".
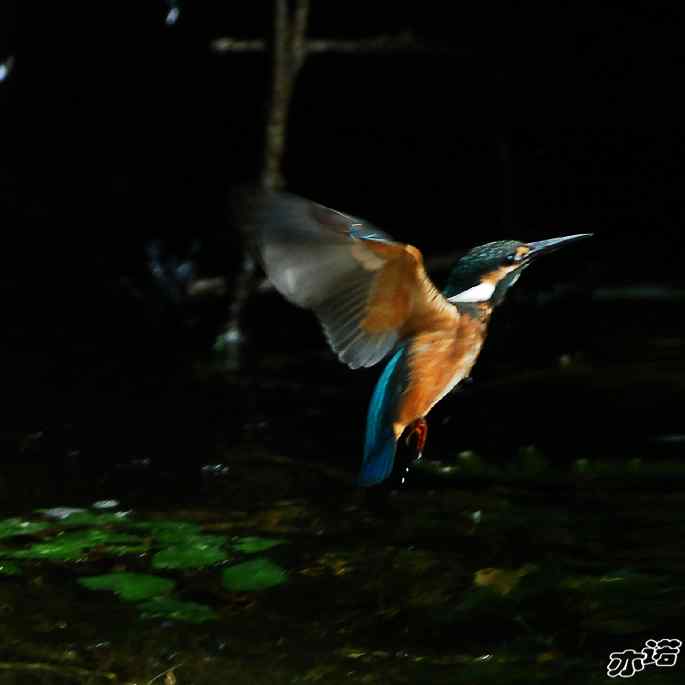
{"x": 172, "y": 16}
{"x": 105, "y": 504}
{"x": 6, "y": 68}
{"x": 215, "y": 470}
{"x": 61, "y": 513}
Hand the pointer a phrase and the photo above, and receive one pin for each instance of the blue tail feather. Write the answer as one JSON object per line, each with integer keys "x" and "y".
{"x": 380, "y": 445}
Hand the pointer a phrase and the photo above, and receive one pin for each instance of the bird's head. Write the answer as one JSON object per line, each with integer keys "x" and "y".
{"x": 485, "y": 273}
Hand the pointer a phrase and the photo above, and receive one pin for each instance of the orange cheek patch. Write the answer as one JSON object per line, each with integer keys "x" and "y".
{"x": 497, "y": 275}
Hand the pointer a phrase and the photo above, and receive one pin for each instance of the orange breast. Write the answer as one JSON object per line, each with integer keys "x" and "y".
{"x": 437, "y": 361}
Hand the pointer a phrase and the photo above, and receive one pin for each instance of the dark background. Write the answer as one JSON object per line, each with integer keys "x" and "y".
{"x": 118, "y": 129}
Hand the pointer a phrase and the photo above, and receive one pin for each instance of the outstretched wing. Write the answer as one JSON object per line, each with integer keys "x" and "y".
{"x": 367, "y": 290}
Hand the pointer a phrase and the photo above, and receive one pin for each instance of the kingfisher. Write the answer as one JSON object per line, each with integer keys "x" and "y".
{"x": 374, "y": 300}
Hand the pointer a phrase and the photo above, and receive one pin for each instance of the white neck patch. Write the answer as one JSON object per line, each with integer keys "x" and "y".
{"x": 479, "y": 293}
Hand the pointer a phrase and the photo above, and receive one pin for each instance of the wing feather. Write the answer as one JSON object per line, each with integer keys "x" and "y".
{"x": 367, "y": 290}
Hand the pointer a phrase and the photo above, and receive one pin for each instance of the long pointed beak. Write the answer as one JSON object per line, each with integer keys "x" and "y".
{"x": 541, "y": 247}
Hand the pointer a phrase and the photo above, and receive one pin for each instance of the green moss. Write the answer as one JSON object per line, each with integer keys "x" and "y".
{"x": 56, "y": 549}
{"x": 8, "y": 568}
{"x": 15, "y": 526}
{"x": 250, "y": 545}
{"x": 197, "y": 552}
{"x": 88, "y": 518}
{"x": 254, "y": 575}
{"x": 168, "y": 532}
{"x": 131, "y": 587}
{"x": 75, "y": 545}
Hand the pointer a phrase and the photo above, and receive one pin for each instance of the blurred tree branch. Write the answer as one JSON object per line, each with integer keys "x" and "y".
{"x": 405, "y": 42}
{"x": 289, "y": 49}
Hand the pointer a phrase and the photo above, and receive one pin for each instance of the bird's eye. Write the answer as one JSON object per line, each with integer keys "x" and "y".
{"x": 513, "y": 258}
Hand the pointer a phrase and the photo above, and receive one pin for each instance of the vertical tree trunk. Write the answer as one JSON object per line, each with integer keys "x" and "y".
{"x": 287, "y": 57}
{"x": 277, "y": 115}
{"x": 288, "y": 52}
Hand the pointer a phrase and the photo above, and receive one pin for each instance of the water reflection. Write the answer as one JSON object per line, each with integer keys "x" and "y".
{"x": 6, "y": 68}
{"x": 173, "y": 12}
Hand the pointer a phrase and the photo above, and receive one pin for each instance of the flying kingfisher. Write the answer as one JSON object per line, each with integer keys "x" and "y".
{"x": 374, "y": 300}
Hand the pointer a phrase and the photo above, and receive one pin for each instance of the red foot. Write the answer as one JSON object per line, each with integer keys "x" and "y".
{"x": 419, "y": 430}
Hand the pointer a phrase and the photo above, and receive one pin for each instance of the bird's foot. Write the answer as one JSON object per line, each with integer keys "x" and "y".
{"x": 416, "y": 433}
